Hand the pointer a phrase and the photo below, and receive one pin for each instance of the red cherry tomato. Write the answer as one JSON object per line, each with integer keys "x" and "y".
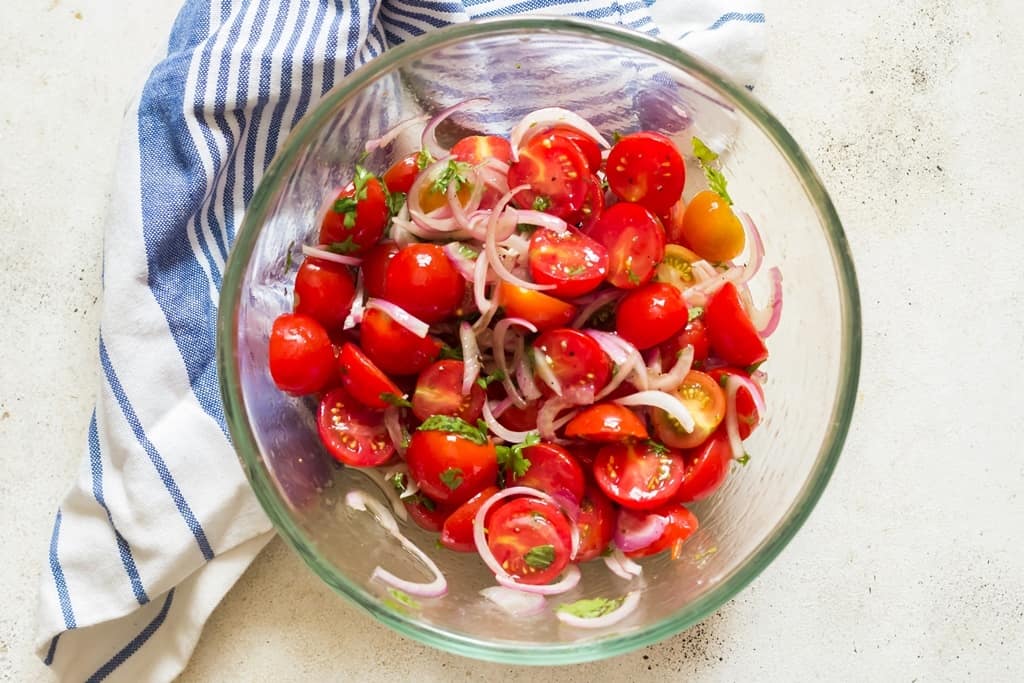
{"x": 475, "y": 149}
{"x": 366, "y": 217}
{"x": 596, "y": 524}
{"x": 439, "y": 392}
{"x": 427, "y": 514}
{"x": 571, "y": 261}
{"x": 450, "y": 468}
{"x": 695, "y": 334}
{"x": 681, "y": 525}
{"x": 672, "y": 221}
{"x": 638, "y": 475}
{"x": 556, "y": 172}
{"x": 577, "y": 362}
{"x": 457, "y": 533}
{"x": 521, "y": 419}
{"x": 353, "y": 433}
{"x": 606, "y": 422}
{"x": 646, "y": 168}
{"x": 402, "y": 174}
{"x": 375, "y": 268}
{"x": 394, "y": 349}
{"x": 705, "y": 400}
{"x": 593, "y": 206}
{"x": 635, "y": 242}
{"x": 324, "y": 290}
{"x": 746, "y": 411}
{"x": 733, "y": 337}
{"x": 531, "y": 539}
{"x": 553, "y": 471}
{"x": 422, "y": 280}
{"x": 546, "y": 312}
{"x": 707, "y": 467}
{"x": 590, "y": 149}
{"x": 650, "y": 315}
{"x": 364, "y": 380}
{"x": 301, "y": 355}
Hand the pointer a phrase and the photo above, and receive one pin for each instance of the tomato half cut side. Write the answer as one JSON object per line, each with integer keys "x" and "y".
{"x": 530, "y": 539}
{"x": 588, "y": 147}
{"x": 596, "y": 524}
{"x": 705, "y": 400}
{"x": 646, "y": 168}
{"x": 352, "y": 433}
{"x": 707, "y": 468}
{"x": 475, "y": 149}
{"x": 364, "y": 380}
{"x": 553, "y": 471}
{"x": 732, "y": 335}
{"x": 638, "y": 476}
{"x": 301, "y": 357}
{"x": 556, "y": 172}
{"x": 457, "y": 532}
{"x": 439, "y": 392}
{"x": 680, "y": 525}
{"x": 571, "y": 261}
{"x": 606, "y": 423}
{"x": 635, "y": 242}
{"x": 576, "y": 361}
{"x": 593, "y": 206}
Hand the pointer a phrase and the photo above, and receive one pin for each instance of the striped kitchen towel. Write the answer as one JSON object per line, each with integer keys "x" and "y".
{"x": 161, "y": 522}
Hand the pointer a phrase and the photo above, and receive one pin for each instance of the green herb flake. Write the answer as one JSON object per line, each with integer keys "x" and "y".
{"x": 526, "y": 229}
{"x": 403, "y": 598}
{"x": 398, "y": 481}
{"x": 452, "y": 478}
{"x": 751, "y": 369}
{"x": 573, "y": 271}
{"x": 616, "y": 136}
{"x": 591, "y": 608}
{"x": 723, "y": 380}
{"x": 466, "y": 250}
{"x": 450, "y": 353}
{"x": 454, "y": 172}
{"x": 395, "y": 400}
{"x": 607, "y": 552}
{"x": 423, "y": 159}
{"x": 511, "y": 459}
{"x": 496, "y": 376}
{"x": 658, "y": 448}
{"x": 540, "y": 556}
{"x": 541, "y": 203}
{"x": 346, "y": 247}
{"x": 633, "y": 277}
{"x": 395, "y": 201}
{"x": 743, "y": 459}
{"x": 288, "y": 256}
{"x": 706, "y": 157}
{"x": 454, "y": 425}
{"x": 362, "y": 179}
{"x": 345, "y": 205}
{"x": 695, "y": 312}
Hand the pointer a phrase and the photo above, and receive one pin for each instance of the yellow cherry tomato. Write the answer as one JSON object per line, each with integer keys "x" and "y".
{"x": 711, "y": 229}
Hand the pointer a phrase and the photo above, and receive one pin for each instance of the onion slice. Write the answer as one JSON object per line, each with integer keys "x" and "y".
{"x": 544, "y": 371}
{"x": 541, "y": 120}
{"x": 429, "y": 139}
{"x": 400, "y": 316}
{"x": 465, "y": 264}
{"x": 470, "y": 357}
{"x": 500, "y": 430}
{"x": 673, "y": 378}
{"x": 543, "y": 220}
{"x": 515, "y": 602}
{"x": 389, "y": 491}
{"x": 628, "y": 606}
{"x": 733, "y": 383}
{"x": 636, "y": 529}
{"x": 660, "y": 399}
{"x": 322, "y": 252}
{"x": 393, "y": 425}
{"x": 598, "y": 302}
{"x": 499, "y": 215}
{"x": 355, "y": 316}
{"x": 500, "y": 359}
{"x": 775, "y": 303}
{"x": 622, "y": 566}
{"x": 389, "y": 137}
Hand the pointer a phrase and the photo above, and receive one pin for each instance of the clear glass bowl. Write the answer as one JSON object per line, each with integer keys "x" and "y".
{"x": 621, "y": 81}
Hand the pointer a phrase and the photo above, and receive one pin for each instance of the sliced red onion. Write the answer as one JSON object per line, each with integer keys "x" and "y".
{"x": 635, "y": 529}
{"x": 628, "y": 606}
{"x": 465, "y": 264}
{"x": 389, "y": 137}
{"x": 323, "y": 253}
{"x": 733, "y": 383}
{"x": 543, "y": 220}
{"x": 387, "y": 489}
{"x": 542, "y": 365}
{"x": 400, "y": 316}
{"x": 524, "y": 376}
{"x": 579, "y": 395}
{"x": 665, "y": 401}
{"x": 516, "y": 244}
{"x": 541, "y": 120}
{"x": 501, "y": 406}
{"x": 429, "y": 139}
{"x": 756, "y": 248}
{"x": 622, "y": 566}
{"x": 462, "y": 211}
{"x": 617, "y": 348}
{"x": 670, "y": 380}
{"x": 596, "y": 304}
{"x": 546, "y": 417}
{"x": 400, "y": 234}
{"x": 775, "y": 305}
{"x": 499, "y": 350}
{"x": 494, "y": 227}
{"x": 500, "y": 430}
{"x": 631, "y": 366}
{"x": 516, "y": 602}
{"x": 569, "y": 579}
{"x": 470, "y": 357}
{"x": 393, "y": 425}
{"x": 481, "y": 272}
{"x": 355, "y": 315}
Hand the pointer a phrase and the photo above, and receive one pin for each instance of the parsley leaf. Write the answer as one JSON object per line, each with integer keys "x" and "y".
{"x": 452, "y": 478}
{"x": 345, "y": 205}
{"x": 395, "y": 400}
{"x": 659, "y": 448}
{"x": 616, "y": 136}
{"x": 454, "y": 425}
{"x": 362, "y": 179}
{"x": 496, "y": 376}
{"x": 450, "y": 353}
{"x": 403, "y": 598}
{"x": 743, "y": 459}
{"x": 454, "y": 172}
{"x": 695, "y": 312}
{"x": 576, "y": 270}
{"x": 346, "y": 247}
{"x": 395, "y": 202}
{"x": 591, "y": 608}
{"x": 541, "y": 203}
{"x": 288, "y": 257}
{"x": 540, "y": 556}
{"x": 716, "y": 179}
{"x": 398, "y": 481}
{"x": 466, "y": 250}
{"x": 423, "y": 159}
{"x": 510, "y": 458}
{"x": 751, "y": 369}
{"x": 526, "y": 229}
{"x": 633, "y": 277}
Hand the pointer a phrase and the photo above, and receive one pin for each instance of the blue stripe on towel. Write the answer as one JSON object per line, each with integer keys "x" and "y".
{"x": 58, "y": 576}
{"x": 137, "y": 642}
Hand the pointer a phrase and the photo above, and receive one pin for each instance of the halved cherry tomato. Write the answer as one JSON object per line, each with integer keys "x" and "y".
{"x": 450, "y": 468}
{"x": 553, "y": 471}
{"x": 353, "y": 433}
{"x": 422, "y": 280}
{"x": 362, "y": 220}
{"x": 324, "y": 290}
{"x": 681, "y": 525}
{"x": 596, "y": 524}
{"x": 650, "y": 315}
{"x": 707, "y": 467}
{"x": 733, "y": 337}
{"x": 706, "y": 402}
{"x": 590, "y": 149}
{"x": 394, "y": 349}
{"x": 638, "y": 475}
{"x": 364, "y": 380}
{"x": 695, "y": 334}
{"x": 646, "y": 168}
{"x": 475, "y": 149}
{"x": 546, "y": 312}
{"x": 521, "y": 419}
{"x": 577, "y": 362}
{"x": 402, "y": 174}
{"x": 556, "y": 172}
{"x": 301, "y": 356}
{"x": 375, "y": 268}
{"x": 672, "y": 221}
{"x": 746, "y": 411}
{"x": 439, "y": 392}
{"x": 571, "y": 261}
{"x": 427, "y": 514}
{"x": 530, "y": 539}
{"x": 606, "y": 422}
{"x": 711, "y": 228}
{"x": 635, "y": 242}
{"x": 593, "y": 206}
{"x": 457, "y": 532}
{"x": 676, "y": 267}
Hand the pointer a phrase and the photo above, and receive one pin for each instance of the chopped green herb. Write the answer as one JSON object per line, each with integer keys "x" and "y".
{"x": 659, "y": 448}
{"x": 526, "y": 229}
{"x": 540, "y": 556}
{"x": 616, "y": 136}
{"x": 452, "y": 478}
{"x": 428, "y": 504}
{"x": 466, "y": 250}
{"x": 607, "y": 552}
{"x": 743, "y": 459}
{"x": 288, "y": 256}
{"x": 454, "y": 425}
{"x": 395, "y": 400}
{"x": 398, "y": 481}
{"x": 362, "y": 179}
{"x": 541, "y": 203}
{"x": 496, "y": 376}
{"x": 345, "y": 205}
{"x": 403, "y": 598}
{"x": 576, "y": 270}
{"x": 591, "y": 608}
{"x": 751, "y": 369}
{"x": 395, "y": 200}
{"x": 454, "y": 172}
{"x": 716, "y": 179}
{"x": 423, "y": 159}
{"x": 450, "y": 353}
{"x": 346, "y": 247}
{"x": 511, "y": 459}
{"x": 695, "y": 312}
{"x": 633, "y": 277}
{"x": 723, "y": 380}
{"x": 350, "y": 219}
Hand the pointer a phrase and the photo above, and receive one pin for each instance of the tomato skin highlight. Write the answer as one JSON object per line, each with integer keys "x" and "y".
{"x": 571, "y": 261}
{"x": 637, "y": 476}
{"x": 457, "y": 531}
{"x": 707, "y": 468}
{"x": 646, "y": 168}
{"x": 651, "y": 315}
{"x": 439, "y": 392}
{"x": 596, "y": 524}
{"x": 606, "y": 423}
{"x": 351, "y": 432}
{"x": 732, "y": 335}
{"x": 402, "y": 174}
{"x": 544, "y": 311}
{"x": 635, "y": 242}
{"x": 470, "y": 467}
{"x": 553, "y": 471}
{"x": 681, "y": 525}
{"x": 324, "y": 291}
{"x": 394, "y": 349}
{"x": 371, "y": 217}
{"x": 518, "y": 526}
{"x": 711, "y": 228}
{"x": 375, "y": 268}
{"x": 746, "y": 411}
{"x": 422, "y": 280}
{"x": 705, "y": 400}
{"x": 301, "y": 356}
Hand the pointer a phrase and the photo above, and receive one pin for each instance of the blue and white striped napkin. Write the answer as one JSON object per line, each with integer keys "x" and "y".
{"x": 161, "y": 522}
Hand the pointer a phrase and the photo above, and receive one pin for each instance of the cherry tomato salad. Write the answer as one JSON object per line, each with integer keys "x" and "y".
{"x": 536, "y": 347}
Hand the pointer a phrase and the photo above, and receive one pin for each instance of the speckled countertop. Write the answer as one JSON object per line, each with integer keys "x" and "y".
{"x": 911, "y": 567}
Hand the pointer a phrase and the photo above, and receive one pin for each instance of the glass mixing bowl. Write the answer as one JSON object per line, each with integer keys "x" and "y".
{"x": 621, "y": 81}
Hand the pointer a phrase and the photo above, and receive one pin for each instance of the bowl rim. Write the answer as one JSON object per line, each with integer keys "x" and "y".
{"x": 265, "y": 197}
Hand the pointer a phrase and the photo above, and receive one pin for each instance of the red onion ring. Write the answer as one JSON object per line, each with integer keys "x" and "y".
{"x": 400, "y": 316}
{"x": 466, "y": 265}
{"x": 499, "y": 349}
{"x": 596, "y": 304}
{"x": 543, "y": 220}
{"x": 671, "y": 380}
{"x": 733, "y": 383}
{"x": 635, "y": 529}
{"x": 389, "y": 491}
{"x": 663, "y": 400}
{"x": 524, "y": 376}
{"x": 428, "y": 140}
{"x": 500, "y": 430}
{"x": 393, "y": 425}
{"x": 516, "y": 602}
{"x": 756, "y": 248}
{"x": 622, "y": 566}
{"x": 542, "y": 366}
{"x": 617, "y": 348}
{"x": 628, "y": 606}
{"x": 322, "y": 252}
{"x": 775, "y": 303}
{"x": 470, "y": 357}
{"x": 355, "y": 315}
{"x": 546, "y": 417}
{"x": 388, "y": 137}
{"x": 498, "y": 214}
{"x": 541, "y": 120}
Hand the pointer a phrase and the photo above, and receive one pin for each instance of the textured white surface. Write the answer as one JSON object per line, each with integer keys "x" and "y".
{"x": 911, "y": 566}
